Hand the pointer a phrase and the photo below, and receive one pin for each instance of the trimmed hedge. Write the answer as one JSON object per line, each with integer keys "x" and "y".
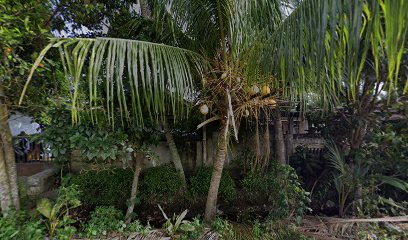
{"x": 110, "y": 187}
{"x": 200, "y": 183}
{"x": 161, "y": 183}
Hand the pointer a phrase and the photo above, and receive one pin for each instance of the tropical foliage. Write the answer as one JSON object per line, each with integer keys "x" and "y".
{"x": 110, "y": 79}
{"x": 296, "y": 64}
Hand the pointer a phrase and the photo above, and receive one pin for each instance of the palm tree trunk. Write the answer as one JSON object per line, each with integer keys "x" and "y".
{"x": 358, "y": 134}
{"x": 204, "y": 145}
{"x": 5, "y": 196}
{"x": 9, "y": 157}
{"x": 138, "y": 158}
{"x": 174, "y": 152}
{"x": 211, "y": 205}
{"x": 267, "y": 146}
{"x": 279, "y": 140}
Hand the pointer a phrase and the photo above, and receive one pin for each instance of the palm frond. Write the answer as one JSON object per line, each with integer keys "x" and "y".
{"x": 394, "y": 182}
{"x": 321, "y": 48}
{"x": 336, "y": 157}
{"x": 126, "y": 76}
{"x": 251, "y": 21}
{"x": 203, "y": 22}
{"x": 230, "y": 26}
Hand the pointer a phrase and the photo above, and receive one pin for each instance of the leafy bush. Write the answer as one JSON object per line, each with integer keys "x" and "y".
{"x": 198, "y": 227}
{"x": 200, "y": 183}
{"x": 106, "y": 220}
{"x": 16, "y": 226}
{"x": 161, "y": 183}
{"x": 176, "y": 224}
{"x": 258, "y": 230}
{"x": 280, "y": 187}
{"x": 56, "y": 214}
{"x": 8, "y": 228}
{"x": 137, "y": 227}
{"x": 55, "y": 218}
{"x": 385, "y": 188}
{"x": 281, "y": 230}
{"x": 276, "y": 230}
{"x": 95, "y": 143}
{"x": 103, "y": 221}
{"x": 110, "y": 187}
{"x": 223, "y": 228}
{"x": 33, "y": 230}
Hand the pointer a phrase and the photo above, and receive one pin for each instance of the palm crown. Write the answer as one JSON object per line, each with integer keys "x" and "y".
{"x": 320, "y": 47}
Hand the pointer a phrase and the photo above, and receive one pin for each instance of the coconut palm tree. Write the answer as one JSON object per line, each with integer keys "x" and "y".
{"x": 297, "y": 51}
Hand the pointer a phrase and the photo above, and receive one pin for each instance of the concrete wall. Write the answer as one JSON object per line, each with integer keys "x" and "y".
{"x": 191, "y": 152}
{"x": 309, "y": 142}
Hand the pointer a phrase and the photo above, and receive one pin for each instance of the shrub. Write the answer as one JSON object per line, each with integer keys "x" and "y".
{"x": 103, "y": 221}
{"x": 198, "y": 227}
{"x": 8, "y": 228}
{"x": 281, "y": 230}
{"x": 137, "y": 227}
{"x": 161, "y": 183}
{"x": 33, "y": 230}
{"x": 281, "y": 188}
{"x": 223, "y": 228}
{"x": 110, "y": 187}
{"x": 56, "y": 213}
{"x": 200, "y": 183}
{"x": 17, "y": 226}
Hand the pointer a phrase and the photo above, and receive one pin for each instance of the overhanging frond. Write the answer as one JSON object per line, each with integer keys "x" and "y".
{"x": 137, "y": 79}
{"x": 323, "y": 46}
{"x": 204, "y": 22}
{"x": 251, "y": 21}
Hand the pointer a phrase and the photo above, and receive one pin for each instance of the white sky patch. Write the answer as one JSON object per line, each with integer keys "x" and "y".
{"x": 135, "y": 7}
{"x": 19, "y": 123}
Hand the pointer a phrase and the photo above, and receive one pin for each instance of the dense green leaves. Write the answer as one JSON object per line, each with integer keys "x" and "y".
{"x": 93, "y": 143}
{"x": 23, "y": 33}
{"x": 17, "y": 226}
{"x": 200, "y": 184}
{"x": 103, "y": 221}
{"x": 280, "y": 188}
{"x": 110, "y": 187}
{"x": 161, "y": 183}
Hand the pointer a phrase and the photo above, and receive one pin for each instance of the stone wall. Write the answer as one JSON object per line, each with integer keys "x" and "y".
{"x": 37, "y": 177}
